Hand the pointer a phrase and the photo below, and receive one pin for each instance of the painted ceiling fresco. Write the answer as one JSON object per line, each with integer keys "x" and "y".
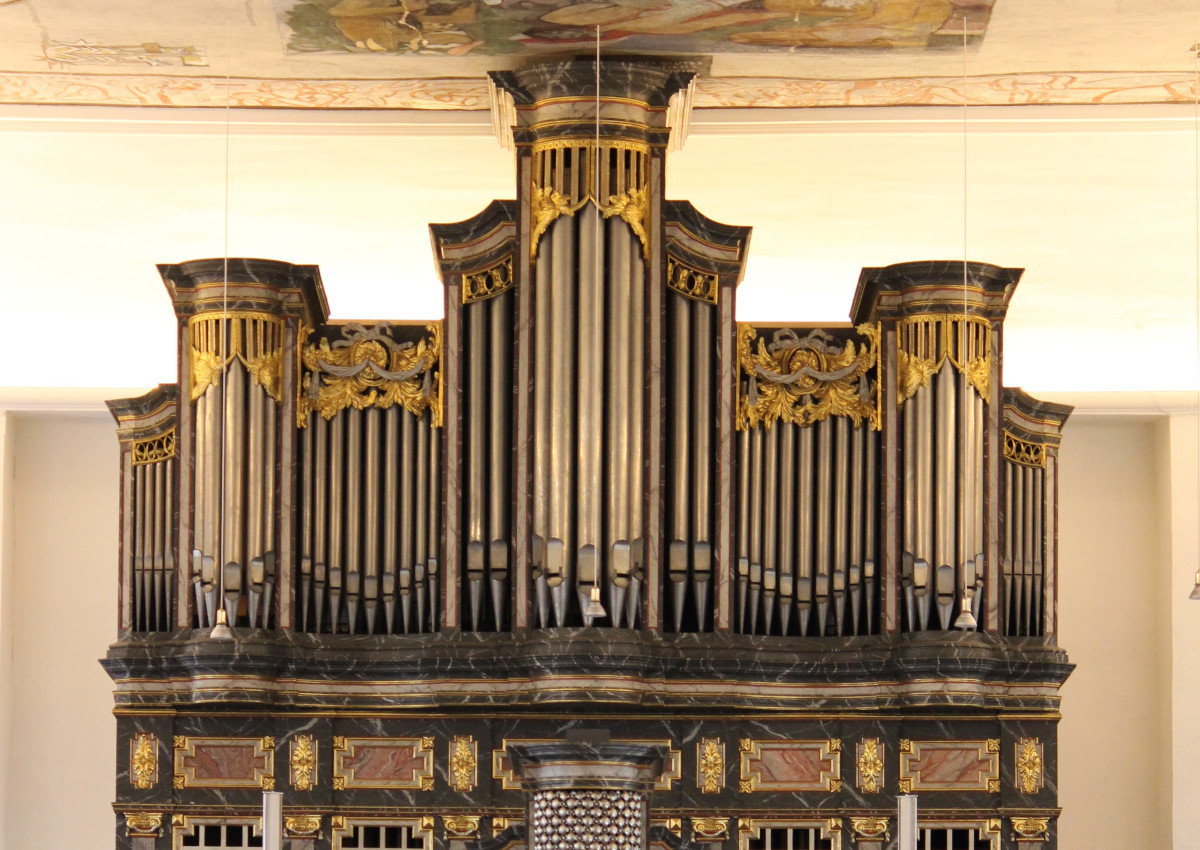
{"x": 492, "y": 27}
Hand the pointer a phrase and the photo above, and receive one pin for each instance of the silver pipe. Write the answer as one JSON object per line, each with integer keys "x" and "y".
{"x": 702, "y": 417}
{"x": 841, "y": 519}
{"x": 870, "y": 555}
{"x": 500, "y": 386}
{"x": 271, "y": 428}
{"x": 392, "y": 519}
{"x": 977, "y": 505}
{"x": 435, "y": 525}
{"x": 770, "y": 509}
{"x": 824, "y": 497}
{"x": 925, "y": 461}
{"x": 743, "y": 539}
{"x": 756, "y": 524}
{"x": 944, "y": 509}
{"x": 321, "y": 522}
{"x": 256, "y": 574}
{"x": 637, "y": 386}
{"x": 1018, "y": 526}
{"x": 170, "y": 524}
{"x": 212, "y": 474}
{"x": 353, "y": 515}
{"x": 1006, "y": 559}
{"x": 371, "y": 523}
{"x": 856, "y": 493}
{"x": 1038, "y": 535}
{"x": 200, "y": 475}
{"x": 787, "y": 518}
{"x": 405, "y": 559}
{"x": 421, "y": 548}
{"x": 254, "y": 470}
{"x": 804, "y": 529}
{"x": 307, "y": 519}
{"x": 590, "y": 377}
{"x": 158, "y": 615}
{"x": 476, "y": 422}
{"x": 562, "y": 414}
{"x": 233, "y": 522}
{"x": 337, "y": 488}
{"x": 616, "y": 415}
{"x": 965, "y": 489}
{"x": 140, "y": 561}
{"x": 542, "y": 369}
{"x": 1027, "y": 557}
{"x": 912, "y": 500}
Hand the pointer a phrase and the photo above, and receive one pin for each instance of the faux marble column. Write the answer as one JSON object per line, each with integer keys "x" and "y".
{"x": 587, "y": 794}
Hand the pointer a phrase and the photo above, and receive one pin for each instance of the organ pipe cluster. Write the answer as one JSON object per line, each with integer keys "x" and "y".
{"x": 588, "y": 438}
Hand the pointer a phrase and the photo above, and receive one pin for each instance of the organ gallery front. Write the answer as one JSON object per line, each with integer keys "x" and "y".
{"x": 587, "y": 562}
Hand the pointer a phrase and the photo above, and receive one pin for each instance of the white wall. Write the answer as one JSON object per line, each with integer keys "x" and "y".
{"x": 1117, "y": 774}
{"x": 59, "y": 774}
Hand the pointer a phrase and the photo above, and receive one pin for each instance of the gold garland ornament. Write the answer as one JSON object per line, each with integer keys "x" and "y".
{"x": 369, "y": 369}
{"x": 802, "y": 380}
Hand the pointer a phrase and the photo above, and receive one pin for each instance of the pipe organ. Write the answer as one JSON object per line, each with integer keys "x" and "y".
{"x": 786, "y": 572}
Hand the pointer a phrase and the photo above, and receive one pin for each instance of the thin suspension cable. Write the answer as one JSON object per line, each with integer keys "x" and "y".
{"x": 1196, "y": 201}
{"x": 225, "y": 324}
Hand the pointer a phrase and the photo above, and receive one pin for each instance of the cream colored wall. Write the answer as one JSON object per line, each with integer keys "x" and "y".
{"x": 1116, "y": 767}
{"x": 58, "y": 776}
{"x": 1114, "y": 539}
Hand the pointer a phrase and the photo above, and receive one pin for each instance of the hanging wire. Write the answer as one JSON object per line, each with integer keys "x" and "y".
{"x": 1195, "y": 594}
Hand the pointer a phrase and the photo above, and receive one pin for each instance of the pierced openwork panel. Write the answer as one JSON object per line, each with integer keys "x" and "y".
{"x": 216, "y": 833}
{"x": 567, "y": 820}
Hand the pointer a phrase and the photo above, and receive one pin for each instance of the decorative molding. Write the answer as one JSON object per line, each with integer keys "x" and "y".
{"x": 489, "y": 282}
{"x": 217, "y": 339}
{"x": 691, "y": 283}
{"x": 396, "y": 763}
{"x": 461, "y": 826}
{"x": 870, "y": 776}
{"x": 561, "y": 188}
{"x": 302, "y": 761}
{"x": 369, "y": 369}
{"x": 928, "y": 341}
{"x": 464, "y": 763}
{"x": 1030, "y": 829}
{"x": 499, "y": 825}
{"x": 154, "y": 449}
{"x": 503, "y": 772}
{"x": 143, "y": 824}
{"x": 1024, "y": 452}
{"x": 302, "y": 826}
{"x": 802, "y": 380}
{"x": 343, "y": 826}
{"x": 710, "y": 829}
{"x": 674, "y": 826}
{"x": 949, "y": 766}
{"x": 143, "y": 760}
{"x": 752, "y": 829}
{"x": 224, "y": 763}
{"x": 1030, "y": 763}
{"x": 471, "y": 94}
{"x": 789, "y": 765}
{"x": 870, "y": 828}
{"x": 710, "y": 765}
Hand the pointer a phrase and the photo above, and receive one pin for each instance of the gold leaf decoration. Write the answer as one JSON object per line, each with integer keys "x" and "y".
{"x": 710, "y": 765}
{"x": 154, "y": 449}
{"x": 926, "y": 342}
{"x": 634, "y": 209}
{"x": 1024, "y": 453}
{"x": 710, "y": 828}
{"x": 303, "y": 762}
{"x": 493, "y": 280}
{"x": 870, "y": 766}
{"x": 870, "y": 827}
{"x": 461, "y": 826}
{"x": 143, "y": 760}
{"x": 1029, "y": 765}
{"x": 144, "y": 824}
{"x": 545, "y": 205}
{"x": 1030, "y": 827}
{"x": 302, "y": 826}
{"x": 369, "y": 369}
{"x": 218, "y": 339}
{"x": 463, "y": 763}
{"x": 803, "y": 380}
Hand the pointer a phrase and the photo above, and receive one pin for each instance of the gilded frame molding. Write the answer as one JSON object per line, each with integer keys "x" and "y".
{"x": 344, "y": 778}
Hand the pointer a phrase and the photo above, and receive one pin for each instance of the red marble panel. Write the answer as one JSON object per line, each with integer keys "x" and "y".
{"x": 950, "y": 765}
{"x": 224, "y": 762}
{"x": 784, "y": 765}
{"x": 384, "y": 763}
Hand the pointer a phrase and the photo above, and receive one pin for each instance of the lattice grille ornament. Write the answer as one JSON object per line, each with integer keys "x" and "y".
{"x": 587, "y": 820}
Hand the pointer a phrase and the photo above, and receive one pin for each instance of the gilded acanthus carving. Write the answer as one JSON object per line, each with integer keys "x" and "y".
{"x": 218, "y": 339}
{"x": 463, "y": 763}
{"x": 870, "y": 766}
{"x": 143, "y": 760}
{"x": 710, "y": 765}
{"x": 144, "y": 824}
{"x": 561, "y": 187}
{"x": 303, "y": 762}
{"x": 1029, "y": 765}
{"x": 926, "y": 342}
{"x": 369, "y": 369}
{"x": 802, "y": 380}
